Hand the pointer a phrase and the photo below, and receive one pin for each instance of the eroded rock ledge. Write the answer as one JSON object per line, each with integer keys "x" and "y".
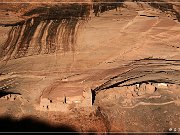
{"x": 124, "y": 75}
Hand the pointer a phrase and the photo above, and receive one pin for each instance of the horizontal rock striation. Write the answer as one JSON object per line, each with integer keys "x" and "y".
{"x": 143, "y": 71}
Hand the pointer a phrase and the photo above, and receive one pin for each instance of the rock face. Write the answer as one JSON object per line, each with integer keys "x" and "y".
{"x": 53, "y": 29}
{"x": 112, "y": 62}
{"x": 48, "y": 29}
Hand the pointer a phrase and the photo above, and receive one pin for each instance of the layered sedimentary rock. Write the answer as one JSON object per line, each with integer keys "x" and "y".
{"x": 111, "y": 61}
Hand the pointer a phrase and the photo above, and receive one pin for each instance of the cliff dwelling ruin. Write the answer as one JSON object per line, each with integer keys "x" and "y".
{"x": 104, "y": 66}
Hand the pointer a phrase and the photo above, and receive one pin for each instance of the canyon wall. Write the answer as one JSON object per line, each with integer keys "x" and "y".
{"x": 50, "y": 28}
{"x": 53, "y": 28}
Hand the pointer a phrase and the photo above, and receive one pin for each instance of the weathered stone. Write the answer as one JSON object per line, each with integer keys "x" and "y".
{"x": 131, "y": 88}
{"x": 150, "y": 89}
{"x": 134, "y": 94}
{"x": 140, "y": 93}
{"x": 162, "y": 85}
{"x": 74, "y": 99}
{"x": 87, "y": 98}
{"x": 142, "y": 87}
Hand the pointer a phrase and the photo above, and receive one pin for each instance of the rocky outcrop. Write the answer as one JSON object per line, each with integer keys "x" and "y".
{"x": 145, "y": 70}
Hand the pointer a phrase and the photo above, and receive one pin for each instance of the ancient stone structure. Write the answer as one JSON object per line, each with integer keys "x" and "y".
{"x": 119, "y": 58}
{"x": 64, "y": 103}
{"x": 11, "y": 97}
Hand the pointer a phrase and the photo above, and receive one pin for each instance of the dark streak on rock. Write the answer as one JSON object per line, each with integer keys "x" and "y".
{"x": 51, "y": 37}
{"x": 18, "y": 42}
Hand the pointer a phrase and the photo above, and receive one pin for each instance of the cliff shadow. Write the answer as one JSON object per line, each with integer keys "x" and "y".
{"x": 8, "y": 124}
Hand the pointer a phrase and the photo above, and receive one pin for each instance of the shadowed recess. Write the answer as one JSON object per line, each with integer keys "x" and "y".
{"x": 28, "y": 124}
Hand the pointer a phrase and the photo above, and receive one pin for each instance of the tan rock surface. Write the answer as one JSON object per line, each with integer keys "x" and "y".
{"x": 112, "y": 60}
